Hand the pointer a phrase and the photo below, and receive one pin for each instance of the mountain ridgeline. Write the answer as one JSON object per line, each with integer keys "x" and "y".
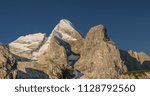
{"x": 66, "y": 54}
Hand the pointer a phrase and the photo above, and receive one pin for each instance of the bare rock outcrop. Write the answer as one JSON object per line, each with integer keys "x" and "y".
{"x": 100, "y": 58}
{"x": 8, "y": 64}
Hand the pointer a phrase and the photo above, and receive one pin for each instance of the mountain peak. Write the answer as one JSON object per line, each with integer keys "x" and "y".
{"x": 98, "y": 32}
{"x": 64, "y": 24}
{"x": 66, "y": 54}
{"x": 65, "y": 21}
{"x": 24, "y": 46}
{"x": 66, "y": 31}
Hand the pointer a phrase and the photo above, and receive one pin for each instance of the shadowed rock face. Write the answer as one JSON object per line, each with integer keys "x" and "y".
{"x": 31, "y": 74}
{"x": 72, "y": 58}
{"x": 8, "y": 64}
{"x": 135, "y": 61}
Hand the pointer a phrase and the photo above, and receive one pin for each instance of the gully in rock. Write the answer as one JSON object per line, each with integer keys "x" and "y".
{"x": 72, "y": 59}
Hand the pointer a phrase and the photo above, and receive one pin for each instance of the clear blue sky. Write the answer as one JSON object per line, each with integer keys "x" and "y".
{"x": 127, "y": 21}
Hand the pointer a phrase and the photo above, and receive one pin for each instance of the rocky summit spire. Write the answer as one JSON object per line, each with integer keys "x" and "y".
{"x": 98, "y": 32}
{"x": 100, "y": 58}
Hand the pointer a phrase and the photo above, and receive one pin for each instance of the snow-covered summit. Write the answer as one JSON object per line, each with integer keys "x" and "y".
{"x": 24, "y": 46}
{"x": 65, "y": 30}
{"x": 66, "y": 21}
{"x": 31, "y": 38}
{"x": 32, "y": 46}
{"x": 64, "y": 24}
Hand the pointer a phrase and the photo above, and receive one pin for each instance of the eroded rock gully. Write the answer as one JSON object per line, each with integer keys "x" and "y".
{"x": 72, "y": 58}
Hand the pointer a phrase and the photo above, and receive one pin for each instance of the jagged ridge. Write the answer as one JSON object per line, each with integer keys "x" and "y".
{"x": 66, "y": 54}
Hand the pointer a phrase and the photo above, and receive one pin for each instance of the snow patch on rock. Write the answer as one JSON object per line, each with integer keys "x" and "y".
{"x": 62, "y": 28}
{"x": 31, "y": 38}
{"x": 42, "y": 49}
{"x": 73, "y": 57}
{"x": 64, "y": 36}
{"x": 65, "y": 24}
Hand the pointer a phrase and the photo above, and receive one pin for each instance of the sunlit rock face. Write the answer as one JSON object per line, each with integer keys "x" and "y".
{"x": 100, "y": 58}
